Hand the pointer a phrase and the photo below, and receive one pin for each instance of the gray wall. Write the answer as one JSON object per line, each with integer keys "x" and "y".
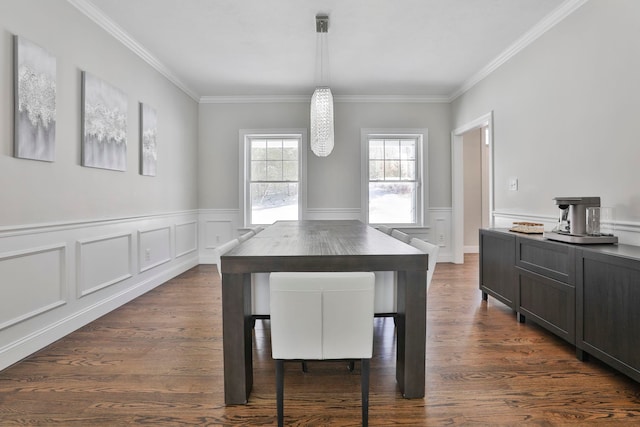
{"x": 566, "y": 113}
{"x": 333, "y": 182}
{"x": 472, "y": 158}
{"x": 42, "y": 192}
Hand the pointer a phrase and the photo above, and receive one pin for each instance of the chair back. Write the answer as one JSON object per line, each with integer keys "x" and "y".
{"x": 385, "y": 229}
{"x": 430, "y": 249}
{"x": 223, "y": 249}
{"x": 404, "y": 237}
{"x": 321, "y": 315}
{"x": 246, "y": 236}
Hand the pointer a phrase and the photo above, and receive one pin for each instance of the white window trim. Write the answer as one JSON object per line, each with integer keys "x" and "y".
{"x": 244, "y": 167}
{"x": 422, "y": 157}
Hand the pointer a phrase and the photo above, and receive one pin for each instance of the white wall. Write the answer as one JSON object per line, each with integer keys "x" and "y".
{"x": 77, "y": 242}
{"x": 566, "y": 110}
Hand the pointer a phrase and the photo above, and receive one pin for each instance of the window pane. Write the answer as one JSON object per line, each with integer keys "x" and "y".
{"x": 289, "y": 170}
{"x": 392, "y": 169}
{"x": 258, "y": 171}
{"x": 274, "y": 201}
{"x": 376, "y": 170}
{"x": 274, "y": 149}
{"x": 290, "y": 149}
{"x": 274, "y": 171}
{"x": 376, "y": 149}
{"x": 392, "y": 149}
{"x": 258, "y": 149}
{"x": 392, "y": 203}
{"x": 408, "y": 149}
{"x": 408, "y": 170}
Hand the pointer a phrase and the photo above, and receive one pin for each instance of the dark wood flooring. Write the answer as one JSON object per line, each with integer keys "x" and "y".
{"x": 158, "y": 361}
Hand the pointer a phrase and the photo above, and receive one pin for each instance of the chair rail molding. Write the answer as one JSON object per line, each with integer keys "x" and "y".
{"x": 628, "y": 232}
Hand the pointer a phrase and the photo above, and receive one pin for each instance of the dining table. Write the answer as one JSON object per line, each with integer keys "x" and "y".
{"x": 323, "y": 245}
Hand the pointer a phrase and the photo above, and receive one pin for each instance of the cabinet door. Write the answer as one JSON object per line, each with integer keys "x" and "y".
{"x": 497, "y": 266}
{"x": 549, "y": 303}
{"x": 608, "y": 310}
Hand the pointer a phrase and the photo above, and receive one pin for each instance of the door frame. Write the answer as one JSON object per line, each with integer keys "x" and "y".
{"x": 457, "y": 182}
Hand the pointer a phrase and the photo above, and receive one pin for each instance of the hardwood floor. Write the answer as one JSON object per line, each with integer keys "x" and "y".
{"x": 158, "y": 361}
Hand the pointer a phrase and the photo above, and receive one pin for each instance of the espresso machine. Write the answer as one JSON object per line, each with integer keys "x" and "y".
{"x": 574, "y": 226}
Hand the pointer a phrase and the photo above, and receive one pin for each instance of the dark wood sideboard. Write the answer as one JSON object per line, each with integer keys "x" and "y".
{"x": 587, "y": 294}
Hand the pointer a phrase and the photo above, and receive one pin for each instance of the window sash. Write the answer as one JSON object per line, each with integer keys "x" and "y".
{"x": 273, "y": 177}
{"x": 393, "y": 161}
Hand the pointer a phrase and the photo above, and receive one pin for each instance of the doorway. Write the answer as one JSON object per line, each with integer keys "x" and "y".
{"x": 480, "y": 131}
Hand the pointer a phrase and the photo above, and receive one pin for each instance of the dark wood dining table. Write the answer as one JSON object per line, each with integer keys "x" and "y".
{"x": 326, "y": 245}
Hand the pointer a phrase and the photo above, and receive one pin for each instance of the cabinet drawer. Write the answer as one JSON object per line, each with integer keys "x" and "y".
{"x": 549, "y": 303}
{"x": 548, "y": 259}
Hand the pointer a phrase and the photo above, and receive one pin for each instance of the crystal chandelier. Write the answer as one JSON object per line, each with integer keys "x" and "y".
{"x": 322, "y": 100}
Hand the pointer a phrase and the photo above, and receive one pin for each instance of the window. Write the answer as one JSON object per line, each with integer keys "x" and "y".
{"x": 392, "y": 177}
{"x": 272, "y": 168}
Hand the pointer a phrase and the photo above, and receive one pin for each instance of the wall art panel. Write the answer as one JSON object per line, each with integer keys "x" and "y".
{"x": 35, "y": 101}
{"x": 104, "y": 124}
{"x": 148, "y": 140}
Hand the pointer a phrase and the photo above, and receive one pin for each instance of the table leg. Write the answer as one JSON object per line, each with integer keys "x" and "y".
{"x": 411, "y": 333}
{"x": 236, "y": 337}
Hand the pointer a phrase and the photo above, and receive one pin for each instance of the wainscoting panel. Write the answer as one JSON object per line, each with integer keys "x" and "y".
{"x": 217, "y": 226}
{"x": 154, "y": 247}
{"x": 217, "y": 233}
{"x": 32, "y": 283}
{"x": 321, "y": 214}
{"x": 104, "y": 262}
{"x": 57, "y": 277}
{"x": 186, "y": 238}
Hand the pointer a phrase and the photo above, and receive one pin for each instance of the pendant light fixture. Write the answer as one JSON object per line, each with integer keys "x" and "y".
{"x": 322, "y": 99}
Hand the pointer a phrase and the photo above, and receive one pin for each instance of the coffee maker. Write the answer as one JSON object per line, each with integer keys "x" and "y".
{"x": 572, "y": 226}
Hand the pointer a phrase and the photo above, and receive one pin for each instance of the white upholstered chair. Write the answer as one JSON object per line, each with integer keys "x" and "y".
{"x": 260, "y": 296}
{"x": 402, "y": 236}
{"x": 430, "y": 249}
{"x": 221, "y": 250}
{"x": 386, "y": 286}
{"x": 320, "y": 316}
{"x": 385, "y": 229}
{"x": 249, "y": 234}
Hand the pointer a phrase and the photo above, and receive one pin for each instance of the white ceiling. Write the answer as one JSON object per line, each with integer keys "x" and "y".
{"x": 258, "y": 48}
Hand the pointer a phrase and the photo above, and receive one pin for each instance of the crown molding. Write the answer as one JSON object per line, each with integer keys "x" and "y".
{"x": 97, "y": 16}
{"x": 253, "y": 99}
{"x": 550, "y": 21}
{"x": 393, "y": 98}
{"x": 307, "y": 98}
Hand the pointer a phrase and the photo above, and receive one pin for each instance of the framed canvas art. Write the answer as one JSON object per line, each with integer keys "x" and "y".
{"x": 104, "y": 124}
{"x": 35, "y": 101}
{"x": 148, "y": 140}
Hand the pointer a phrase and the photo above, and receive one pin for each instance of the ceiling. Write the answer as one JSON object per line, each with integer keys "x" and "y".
{"x": 261, "y": 48}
